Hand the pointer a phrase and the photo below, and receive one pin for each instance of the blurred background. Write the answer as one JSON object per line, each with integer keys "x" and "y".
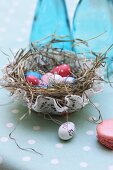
{"x": 15, "y": 23}
{"x": 91, "y": 18}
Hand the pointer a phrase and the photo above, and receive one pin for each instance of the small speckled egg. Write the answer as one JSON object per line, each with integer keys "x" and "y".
{"x": 69, "y": 80}
{"x": 45, "y": 78}
{"x": 66, "y": 130}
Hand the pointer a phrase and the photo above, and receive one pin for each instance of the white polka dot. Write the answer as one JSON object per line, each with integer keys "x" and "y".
{"x": 86, "y": 148}
{"x": 55, "y": 161}
{"x": 7, "y": 19}
{"x": 110, "y": 167}
{"x": 4, "y": 139}
{"x": 59, "y": 145}
{"x": 62, "y": 70}
{"x": 15, "y": 111}
{"x": 20, "y": 39}
{"x": 83, "y": 164}
{"x": 36, "y": 128}
{"x": 1, "y": 160}
{"x": 2, "y": 29}
{"x": 26, "y": 158}
{"x": 11, "y": 11}
{"x": 96, "y": 104}
{"x": 9, "y": 125}
{"x": 90, "y": 132}
{"x": 31, "y": 141}
{"x": 65, "y": 65}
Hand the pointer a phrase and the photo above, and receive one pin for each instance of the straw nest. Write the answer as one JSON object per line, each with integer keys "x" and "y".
{"x": 43, "y": 57}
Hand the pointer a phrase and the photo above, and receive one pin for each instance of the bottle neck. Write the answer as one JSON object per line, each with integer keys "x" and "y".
{"x": 71, "y": 6}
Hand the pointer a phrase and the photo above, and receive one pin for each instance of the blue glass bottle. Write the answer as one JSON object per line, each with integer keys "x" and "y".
{"x": 92, "y": 18}
{"x": 51, "y": 18}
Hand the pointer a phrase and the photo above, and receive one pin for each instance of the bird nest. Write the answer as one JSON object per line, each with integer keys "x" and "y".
{"x": 58, "y": 97}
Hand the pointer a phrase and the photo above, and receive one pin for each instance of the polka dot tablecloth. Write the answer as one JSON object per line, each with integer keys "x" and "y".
{"x": 82, "y": 152}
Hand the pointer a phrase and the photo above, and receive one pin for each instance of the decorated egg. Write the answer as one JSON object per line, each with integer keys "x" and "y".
{"x": 41, "y": 85}
{"x": 45, "y": 78}
{"x": 32, "y": 80}
{"x": 55, "y": 79}
{"x": 63, "y": 70}
{"x": 33, "y": 73}
{"x": 69, "y": 80}
{"x": 66, "y": 131}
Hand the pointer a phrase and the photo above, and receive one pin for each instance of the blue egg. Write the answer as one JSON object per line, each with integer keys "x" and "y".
{"x": 70, "y": 80}
{"x": 33, "y": 73}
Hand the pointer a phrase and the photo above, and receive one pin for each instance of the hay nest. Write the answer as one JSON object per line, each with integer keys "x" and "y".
{"x": 60, "y": 97}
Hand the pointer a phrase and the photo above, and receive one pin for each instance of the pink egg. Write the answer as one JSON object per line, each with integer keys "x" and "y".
{"x": 32, "y": 80}
{"x": 45, "y": 78}
{"x": 40, "y": 83}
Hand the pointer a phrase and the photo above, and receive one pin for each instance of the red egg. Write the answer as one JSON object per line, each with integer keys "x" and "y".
{"x": 32, "y": 80}
{"x": 63, "y": 70}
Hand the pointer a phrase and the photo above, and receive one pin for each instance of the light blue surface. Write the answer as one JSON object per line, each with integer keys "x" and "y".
{"x": 82, "y": 150}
